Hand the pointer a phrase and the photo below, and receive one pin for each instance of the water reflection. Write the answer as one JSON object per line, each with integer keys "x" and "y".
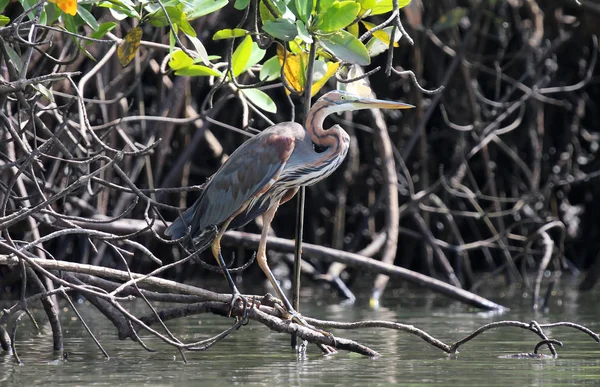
{"x": 254, "y": 355}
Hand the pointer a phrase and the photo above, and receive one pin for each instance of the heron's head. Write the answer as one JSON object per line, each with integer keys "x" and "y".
{"x": 341, "y": 101}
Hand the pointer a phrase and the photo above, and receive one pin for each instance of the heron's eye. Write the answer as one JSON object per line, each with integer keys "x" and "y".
{"x": 319, "y": 148}
{"x": 342, "y": 97}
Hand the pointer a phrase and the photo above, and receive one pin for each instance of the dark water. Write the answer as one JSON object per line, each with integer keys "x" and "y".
{"x": 256, "y": 356}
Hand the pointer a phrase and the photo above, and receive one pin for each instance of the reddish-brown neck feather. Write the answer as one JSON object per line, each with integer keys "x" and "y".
{"x": 314, "y": 125}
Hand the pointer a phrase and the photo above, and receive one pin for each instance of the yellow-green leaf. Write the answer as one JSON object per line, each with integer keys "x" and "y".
{"x": 4, "y": 20}
{"x": 353, "y": 29}
{"x": 230, "y": 33}
{"x": 198, "y": 71}
{"x": 241, "y": 56}
{"x": 323, "y": 5}
{"x": 265, "y": 14}
{"x": 366, "y": 5}
{"x": 186, "y": 27}
{"x": 180, "y": 60}
{"x": 337, "y": 16}
{"x": 385, "y": 6}
{"x": 380, "y": 34}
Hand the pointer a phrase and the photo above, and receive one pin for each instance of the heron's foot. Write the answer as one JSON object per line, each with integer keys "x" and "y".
{"x": 235, "y": 298}
{"x": 299, "y": 319}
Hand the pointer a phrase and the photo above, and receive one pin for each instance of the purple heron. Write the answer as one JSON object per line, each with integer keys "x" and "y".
{"x": 267, "y": 171}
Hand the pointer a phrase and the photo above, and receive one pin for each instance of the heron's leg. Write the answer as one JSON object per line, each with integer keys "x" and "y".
{"x": 261, "y": 258}
{"x": 216, "y": 250}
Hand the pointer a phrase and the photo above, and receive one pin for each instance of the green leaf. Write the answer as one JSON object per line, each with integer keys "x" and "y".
{"x": 197, "y": 71}
{"x": 27, "y": 4}
{"x": 281, "y": 29}
{"x": 449, "y": 19}
{"x": 70, "y": 24}
{"x": 43, "y": 17}
{"x": 52, "y": 13}
{"x": 385, "y": 6}
{"x": 3, "y": 4}
{"x": 14, "y": 57}
{"x": 241, "y": 56}
{"x": 196, "y": 8}
{"x": 180, "y": 60}
{"x": 260, "y": 99}
{"x": 4, "y": 20}
{"x": 158, "y": 18}
{"x": 280, "y": 6}
{"x": 303, "y": 32}
{"x": 270, "y": 70}
{"x": 346, "y": 47}
{"x": 338, "y": 16}
{"x": 87, "y": 17}
{"x": 128, "y": 4}
{"x": 289, "y": 14}
{"x": 43, "y": 90}
{"x": 256, "y": 56}
{"x": 118, "y": 14}
{"x": 230, "y": 33}
{"x": 172, "y": 40}
{"x": 304, "y": 9}
{"x": 200, "y": 50}
{"x": 103, "y": 29}
{"x": 241, "y": 4}
{"x": 120, "y": 9}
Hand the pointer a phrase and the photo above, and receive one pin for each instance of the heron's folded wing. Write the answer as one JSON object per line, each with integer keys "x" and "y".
{"x": 248, "y": 172}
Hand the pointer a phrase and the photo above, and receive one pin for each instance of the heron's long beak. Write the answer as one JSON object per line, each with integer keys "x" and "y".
{"x": 368, "y": 103}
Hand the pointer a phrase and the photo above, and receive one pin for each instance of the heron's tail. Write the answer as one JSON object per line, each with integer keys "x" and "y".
{"x": 205, "y": 239}
{"x": 182, "y": 225}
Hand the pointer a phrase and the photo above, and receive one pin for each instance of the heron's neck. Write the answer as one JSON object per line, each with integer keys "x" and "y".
{"x": 314, "y": 124}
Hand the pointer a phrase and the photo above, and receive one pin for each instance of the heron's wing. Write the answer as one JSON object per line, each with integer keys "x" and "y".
{"x": 249, "y": 172}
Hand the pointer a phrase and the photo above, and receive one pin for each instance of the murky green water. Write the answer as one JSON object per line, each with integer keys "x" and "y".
{"x": 256, "y": 356}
